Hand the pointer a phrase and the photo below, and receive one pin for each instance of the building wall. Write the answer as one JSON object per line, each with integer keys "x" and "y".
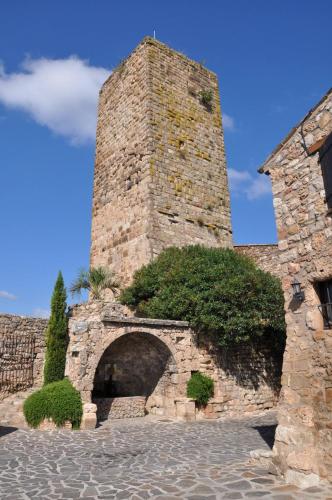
{"x": 304, "y": 435}
{"x": 160, "y": 170}
{"x": 246, "y": 378}
{"x": 267, "y": 256}
{"x": 22, "y": 350}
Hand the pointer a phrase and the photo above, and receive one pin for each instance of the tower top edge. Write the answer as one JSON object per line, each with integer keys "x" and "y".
{"x": 150, "y": 41}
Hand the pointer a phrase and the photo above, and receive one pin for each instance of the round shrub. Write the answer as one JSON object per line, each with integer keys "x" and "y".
{"x": 59, "y": 401}
{"x": 218, "y": 291}
{"x": 200, "y": 387}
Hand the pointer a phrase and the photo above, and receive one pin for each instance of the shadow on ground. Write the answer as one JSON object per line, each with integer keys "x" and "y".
{"x": 6, "y": 430}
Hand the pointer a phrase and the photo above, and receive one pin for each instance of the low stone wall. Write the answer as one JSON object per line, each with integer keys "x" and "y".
{"x": 125, "y": 407}
{"x": 266, "y": 256}
{"x": 22, "y": 350}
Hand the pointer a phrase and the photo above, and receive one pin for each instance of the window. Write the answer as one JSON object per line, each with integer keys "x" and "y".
{"x": 325, "y": 156}
{"x": 325, "y": 294}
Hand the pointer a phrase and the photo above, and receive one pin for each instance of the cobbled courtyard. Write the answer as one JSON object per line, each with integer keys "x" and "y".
{"x": 144, "y": 458}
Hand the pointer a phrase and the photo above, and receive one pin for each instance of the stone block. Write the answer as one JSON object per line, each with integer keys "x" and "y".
{"x": 89, "y": 421}
{"x": 185, "y": 410}
{"x": 300, "y": 479}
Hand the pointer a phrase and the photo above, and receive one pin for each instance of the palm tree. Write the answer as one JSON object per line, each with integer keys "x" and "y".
{"x": 96, "y": 280}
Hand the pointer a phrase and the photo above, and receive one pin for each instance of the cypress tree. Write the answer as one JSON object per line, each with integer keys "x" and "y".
{"x": 56, "y": 335}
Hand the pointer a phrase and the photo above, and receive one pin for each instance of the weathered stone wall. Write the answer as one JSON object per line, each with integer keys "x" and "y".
{"x": 304, "y": 435}
{"x": 266, "y": 256}
{"x": 123, "y": 407}
{"x": 160, "y": 171}
{"x": 246, "y": 378}
{"x": 135, "y": 364}
{"x": 22, "y": 349}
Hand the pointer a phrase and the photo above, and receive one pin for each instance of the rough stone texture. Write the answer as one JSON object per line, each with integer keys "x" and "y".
{"x": 143, "y": 458}
{"x": 133, "y": 365}
{"x": 267, "y": 257}
{"x": 246, "y": 378}
{"x": 123, "y": 407}
{"x": 304, "y": 435}
{"x": 23, "y": 364}
{"x": 160, "y": 172}
{"x": 11, "y": 409}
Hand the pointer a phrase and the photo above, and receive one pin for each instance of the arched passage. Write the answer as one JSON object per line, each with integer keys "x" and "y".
{"x": 137, "y": 364}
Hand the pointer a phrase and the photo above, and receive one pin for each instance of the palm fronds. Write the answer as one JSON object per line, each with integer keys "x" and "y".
{"x": 95, "y": 280}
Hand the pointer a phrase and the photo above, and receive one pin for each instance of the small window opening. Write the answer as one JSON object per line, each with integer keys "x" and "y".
{"x": 324, "y": 289}
{"x": 325, "y": 156}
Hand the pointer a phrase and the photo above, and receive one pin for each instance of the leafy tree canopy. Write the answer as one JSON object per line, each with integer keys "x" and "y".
{"x": 218, "y": 291}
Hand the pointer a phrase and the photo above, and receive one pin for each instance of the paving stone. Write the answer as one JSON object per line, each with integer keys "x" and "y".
{"x": 257, "y": 494}
{"x": 239, "y": 485}
{"x": 235, "y": 495}
{"x": 263, "y": 480}
{"x": 142, "y": 459}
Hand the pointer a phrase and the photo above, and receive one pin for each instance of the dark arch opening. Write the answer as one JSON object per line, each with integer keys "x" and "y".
{"x": 133, "y": 365}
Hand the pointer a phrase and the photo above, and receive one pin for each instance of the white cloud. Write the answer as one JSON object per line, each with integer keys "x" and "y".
{"x": 243, "y": 183}
{"x": 260, "y": 186}
{"x": 228, "y": 122}
{"x": 39, "y": 312}
{"x": 60, "y": 94}
{"x": 237, "y": 177}
{"x": 7, "y": 295}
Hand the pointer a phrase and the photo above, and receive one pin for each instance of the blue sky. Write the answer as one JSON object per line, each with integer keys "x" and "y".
{"x": 273, "y": 60}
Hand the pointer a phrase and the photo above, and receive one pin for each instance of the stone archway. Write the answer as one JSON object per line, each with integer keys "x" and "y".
{"x": 134, "y": 374}
{"x": 94, "y": 327}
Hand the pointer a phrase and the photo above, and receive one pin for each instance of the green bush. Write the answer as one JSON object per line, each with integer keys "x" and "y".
{"x": 200, "y": 387}
{"x": 59, "y": 401}
{"x": 220, "y": 292}
{"x": 56, "y": 335}
{"x": 206, "y": 97}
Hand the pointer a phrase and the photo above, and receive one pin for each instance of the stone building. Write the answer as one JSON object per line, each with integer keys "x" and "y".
{"x": 160, "y": 180}
{"x": 301, "y": 172}
{"x": 160, "y": 170}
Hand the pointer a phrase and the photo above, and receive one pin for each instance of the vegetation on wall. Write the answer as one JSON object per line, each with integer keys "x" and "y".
{"x": 96, "y": 280}
{"x": 200, "y": 387}
{"x": 206, "y": 97}
{"x": 58, "y": 401}
{"x": 220, "y": 292}
{"x": 56, "y": 335}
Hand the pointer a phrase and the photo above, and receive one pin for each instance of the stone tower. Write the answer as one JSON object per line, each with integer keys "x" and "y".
{"x": 160, "y": 171}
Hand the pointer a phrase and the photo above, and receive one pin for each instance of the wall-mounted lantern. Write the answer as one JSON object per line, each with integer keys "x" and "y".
{"x": 298, "y": 293}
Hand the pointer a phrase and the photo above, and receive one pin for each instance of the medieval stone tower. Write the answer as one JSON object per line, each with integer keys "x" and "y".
{"x": 160, "y": 171}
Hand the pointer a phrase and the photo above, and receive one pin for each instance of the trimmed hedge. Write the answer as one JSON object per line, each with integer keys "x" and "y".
{"x": 218, "y": 291}
{"x": 59, "y": 401}
{"x": 200, "y": 387}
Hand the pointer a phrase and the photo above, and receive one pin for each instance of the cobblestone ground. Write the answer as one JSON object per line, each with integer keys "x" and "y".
{"x": 138, "y": 459}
